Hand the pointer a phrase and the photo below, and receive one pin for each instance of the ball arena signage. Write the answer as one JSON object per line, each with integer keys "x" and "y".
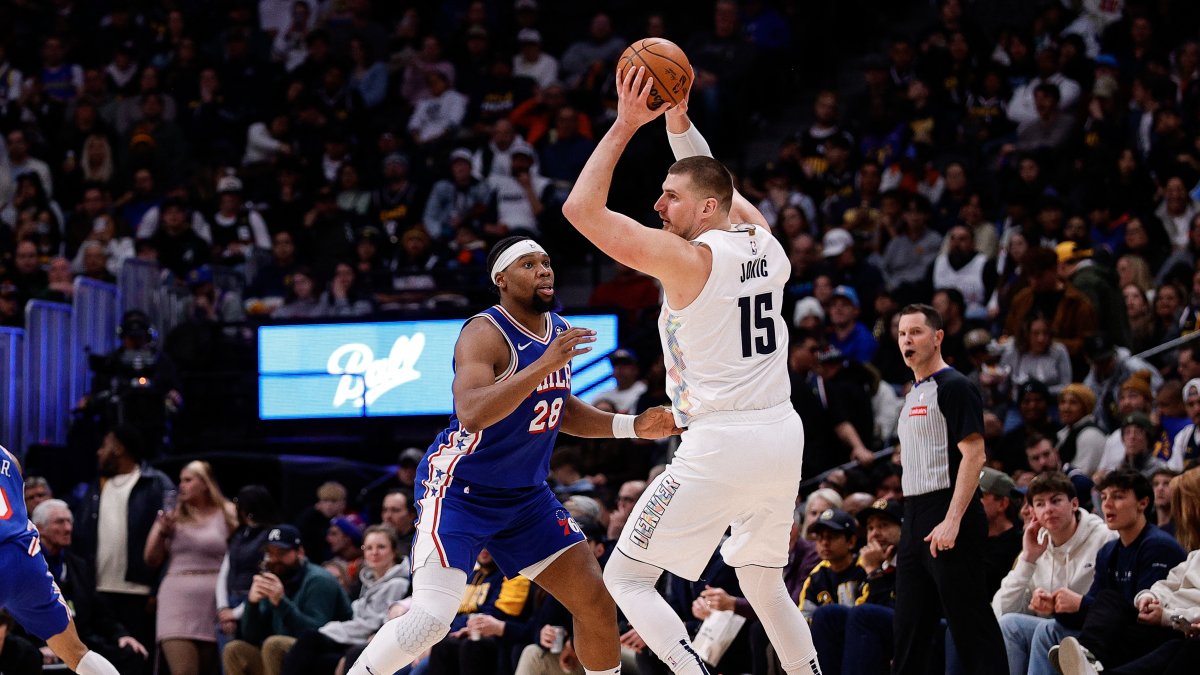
{"x": 383, "y": 369}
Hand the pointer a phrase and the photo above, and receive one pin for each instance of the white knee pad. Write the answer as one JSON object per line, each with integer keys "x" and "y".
{"x": 437, "y": 593}
{"x": 624, "y": 576}
{"x": 438, "y": 590}
{"x": 418, "y": 630}
{"x": 763, "y": 586}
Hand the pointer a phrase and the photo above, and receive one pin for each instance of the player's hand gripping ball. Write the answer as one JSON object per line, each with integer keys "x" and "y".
{"x": 666, "y": 63}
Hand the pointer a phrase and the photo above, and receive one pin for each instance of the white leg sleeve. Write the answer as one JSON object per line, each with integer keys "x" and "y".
{"x": 94, "y": 664}
{"x": 437, "y": 594}
{"x": 631, "y": 584}
{"x": 781, "y": 618}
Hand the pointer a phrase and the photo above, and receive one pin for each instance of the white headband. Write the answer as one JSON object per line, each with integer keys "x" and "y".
{"x": 1192, "y": 383}
{"x": 510, "y": 255}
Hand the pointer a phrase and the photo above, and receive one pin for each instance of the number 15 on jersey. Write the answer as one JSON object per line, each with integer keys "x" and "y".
{"x": 758, "y": 326}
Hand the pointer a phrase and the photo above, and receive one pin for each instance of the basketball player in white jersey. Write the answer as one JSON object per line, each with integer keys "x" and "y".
{"x": 725, "y": 348}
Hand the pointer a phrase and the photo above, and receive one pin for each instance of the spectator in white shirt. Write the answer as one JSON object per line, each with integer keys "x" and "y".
{"x": 495, "y": 158}
{"x": 266, "y": 141}
{"x": 21, "y": 162}
{"x": 519, "y": 198}
{"x": 290, "y": 46}
{"x": 439, "y": 115}
{"x": 531, "y": 61}
{"x": 1022, "y": 107}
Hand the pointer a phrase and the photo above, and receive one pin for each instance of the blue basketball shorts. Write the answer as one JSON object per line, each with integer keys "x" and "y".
{"x": 28, "y": 591}
{"x": 519, "y": 527}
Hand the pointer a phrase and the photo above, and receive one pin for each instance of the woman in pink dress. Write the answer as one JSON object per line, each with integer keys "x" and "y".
{"x": 192, "y": 541}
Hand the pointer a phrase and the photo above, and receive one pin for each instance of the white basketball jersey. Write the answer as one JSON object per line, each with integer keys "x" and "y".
{"x": 727, "y": 350}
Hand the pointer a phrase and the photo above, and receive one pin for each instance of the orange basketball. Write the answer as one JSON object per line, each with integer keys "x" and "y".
{"x": 666, "y": 63}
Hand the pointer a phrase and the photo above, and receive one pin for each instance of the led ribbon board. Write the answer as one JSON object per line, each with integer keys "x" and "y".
{"x": 386, "y": 369}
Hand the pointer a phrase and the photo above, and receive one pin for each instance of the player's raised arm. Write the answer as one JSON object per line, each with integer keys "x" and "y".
{"x": 654, "y": 252}
{"x": 686, "y": 141}
{"x": 481, "y": 352}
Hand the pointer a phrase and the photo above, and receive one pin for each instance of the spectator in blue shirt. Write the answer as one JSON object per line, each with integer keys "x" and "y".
{"x": 853, "y": 339}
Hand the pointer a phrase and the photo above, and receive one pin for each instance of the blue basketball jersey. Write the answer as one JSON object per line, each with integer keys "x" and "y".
{"x": 514, "y": 452}
{"x": 27, "y": 589}
{"x": 14, "y": 519}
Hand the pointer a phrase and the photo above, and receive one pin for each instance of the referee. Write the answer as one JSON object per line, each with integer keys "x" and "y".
{"x": 941, "y": 559}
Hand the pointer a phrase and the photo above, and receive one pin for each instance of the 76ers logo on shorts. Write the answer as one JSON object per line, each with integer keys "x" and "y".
{"x": 566, "y": 522}
{"x": 919, "y": 411}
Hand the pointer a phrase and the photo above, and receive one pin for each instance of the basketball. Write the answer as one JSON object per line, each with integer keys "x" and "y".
{"x": 666, "y": 63}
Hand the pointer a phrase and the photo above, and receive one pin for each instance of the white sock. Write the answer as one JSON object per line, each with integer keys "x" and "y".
{"x": 683, "y": 659}
{"x": 631, "y": 584}
{"x": 94, "y": 664}
{"x": 781, "y": 619}
{"x": 610, "y": 671}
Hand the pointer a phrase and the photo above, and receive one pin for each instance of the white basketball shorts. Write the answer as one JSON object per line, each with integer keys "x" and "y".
{"x": 738, "y": 470}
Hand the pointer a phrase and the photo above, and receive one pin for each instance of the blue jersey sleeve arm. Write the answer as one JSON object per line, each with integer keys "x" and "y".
{"x": 962, "y": 406}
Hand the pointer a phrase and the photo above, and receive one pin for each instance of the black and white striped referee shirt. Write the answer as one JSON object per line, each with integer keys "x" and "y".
{"x": 939, "y": 412}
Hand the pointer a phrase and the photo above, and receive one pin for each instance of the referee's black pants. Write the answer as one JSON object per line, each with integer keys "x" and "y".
{"x": 952, "y": 585}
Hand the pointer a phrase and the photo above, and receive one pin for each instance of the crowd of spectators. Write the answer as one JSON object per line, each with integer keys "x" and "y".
{"x": 336, "y": 158}
{"x": 1039, "y": 184}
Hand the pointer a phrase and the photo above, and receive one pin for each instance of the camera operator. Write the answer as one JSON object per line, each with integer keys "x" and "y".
{"x": 135, "y": 384}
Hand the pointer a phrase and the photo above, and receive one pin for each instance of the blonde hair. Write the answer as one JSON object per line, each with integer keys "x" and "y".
{"x": 204, "y": 471}
{"x": 1141, "y": 272}
{"x": 104, "y": 172}
{"x": 1185, "y": 508}
{"x": 331, "y": 490}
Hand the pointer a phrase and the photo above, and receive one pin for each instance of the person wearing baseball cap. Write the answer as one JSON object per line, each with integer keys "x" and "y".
{"x": 869, "y": 620}
{"x": 836, "y": 579}
{"x": 1185, "y": 450}
{"x": 847, "y": 270}
{"x": 629, "y": 387}
{"x": 1137, "y": 432}
{"x": 1110, "y": 368}
{"x": 881, "y": 521}
{"x": 291, "y": 595}
{"x": 847, "y": 333}
{"x": 1075, "y": 265}
{"x": 1000, "y": 504}
{"x": 345, "y": 536}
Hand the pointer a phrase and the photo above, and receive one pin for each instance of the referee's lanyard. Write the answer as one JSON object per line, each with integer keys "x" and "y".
{"x": 931, "y": 376}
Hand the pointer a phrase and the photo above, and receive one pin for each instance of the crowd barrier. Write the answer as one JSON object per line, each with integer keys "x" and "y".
{"x": 11, "y": 342}
{"x": 95, "y": 313}
{"x": 46, "y": 374}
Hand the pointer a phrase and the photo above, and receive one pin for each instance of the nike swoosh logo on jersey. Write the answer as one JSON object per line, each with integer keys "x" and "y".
{"x": 521, "y": 348}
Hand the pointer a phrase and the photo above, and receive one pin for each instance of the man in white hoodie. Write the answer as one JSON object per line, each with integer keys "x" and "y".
{"x": 1058, "y": 553}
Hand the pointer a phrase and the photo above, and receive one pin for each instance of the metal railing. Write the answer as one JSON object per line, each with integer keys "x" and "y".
{"x": 11, "y": 343}
{"x": 46, "y": 376}
{"x": 95, "y": 313}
